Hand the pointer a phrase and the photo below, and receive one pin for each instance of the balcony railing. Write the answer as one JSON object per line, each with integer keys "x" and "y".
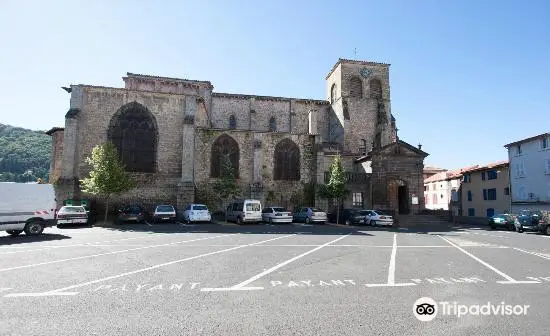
{"x": 351, "y": 177}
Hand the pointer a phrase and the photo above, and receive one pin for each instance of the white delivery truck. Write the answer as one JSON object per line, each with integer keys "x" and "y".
{"x": 28, "y": 207}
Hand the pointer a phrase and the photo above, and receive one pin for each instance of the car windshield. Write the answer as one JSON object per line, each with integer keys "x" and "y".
{"x": 279, "y": 209}
{"x": 165, "y": 208}
{"x": 363, "y": 212}
{"x": 500, "y": 216}
{"x": 72, "y": 209}
{"x": 382, "y": 212}
{"x": 252, "y": 206}
{"x": 316, "y": 210}
{"x": 200, "y": 207}
{"x": 133, "y": 210}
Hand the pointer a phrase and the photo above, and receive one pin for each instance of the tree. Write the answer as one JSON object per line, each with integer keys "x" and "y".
{"x": 226, "y": 186}
{"x": 108, "y": 176}
{"x": 336, "y": 186}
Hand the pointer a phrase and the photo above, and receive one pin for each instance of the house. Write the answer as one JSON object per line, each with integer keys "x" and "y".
{"x": 485, "y": 190}
{"x": 441, "y": 190}
{"x": 430, "y": 171}
{"x": 530, "y": 173}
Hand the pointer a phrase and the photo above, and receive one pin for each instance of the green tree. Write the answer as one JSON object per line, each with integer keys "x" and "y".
{"x": 226, "y": 186}
{"x": 108, "y": 176}
{"x": 336, "y": 186}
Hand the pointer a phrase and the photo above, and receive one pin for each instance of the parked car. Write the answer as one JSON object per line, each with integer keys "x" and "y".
{"x": 529, "y": 220}
{"x": 348, "y": 216}
{"x": 276, "y": 215}
{"x": 131, "y": 213}
{"x": 378, "y": 217}
{"x": 196, "y": 213}
{"x": 28, "y": 207}
{"x": 244, "y": 211}
{"x": 72, "y": 214}
{"x": 310, "y": 215}
{"x": 544, "y": 227}
{"x": 502, "y": 220}
{"x": 164, "y": 213}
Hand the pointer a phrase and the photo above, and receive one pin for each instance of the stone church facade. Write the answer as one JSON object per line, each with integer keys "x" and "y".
{"x": 172, "y": 133}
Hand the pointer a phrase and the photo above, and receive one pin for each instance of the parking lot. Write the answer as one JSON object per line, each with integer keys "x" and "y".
{"x": 296, "y": 279}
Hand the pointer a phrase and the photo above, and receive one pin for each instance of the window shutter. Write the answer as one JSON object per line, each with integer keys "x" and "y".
{"x": 485, "y": 194}
{"x": 483, "y": 176}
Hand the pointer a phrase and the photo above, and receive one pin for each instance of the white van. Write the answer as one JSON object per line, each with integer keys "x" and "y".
{"x": 28, "y": 207}
{"x": 245, "y": 211}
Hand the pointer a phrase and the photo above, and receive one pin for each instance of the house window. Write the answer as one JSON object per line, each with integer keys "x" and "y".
{"x": 454, "y": 195}
{"x": 521, "y": 194}
{"x": 492, "y": 175}
{"x": 469, "y": 195}
{"x": 544, "y": 143}
{"x": 483, "y": 176}
{"x": 441, "y": 196}
{"x": 485, "y": 194}
{"x": 490, "y": 212}
{"x": 471, "y": 212}
{"x": 547, "y": 170}
{"x": 467, "y": 178}
{"x": 507, "y": 191}
{"x": 425, "y": 188}
{"x": 358, "y": 200}
{"x": 520, "y": 170}
{"x": 232, "y": 122}
{"x": 333, "y": 93}
{"x": 519, "y": 149}
{"x": 492, "y": 194}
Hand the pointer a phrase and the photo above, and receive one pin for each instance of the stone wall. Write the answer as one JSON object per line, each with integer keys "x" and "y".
{"x": 99, "y": 105}
{"x": 56, "y": 157}
{"x": 256, "y": 161}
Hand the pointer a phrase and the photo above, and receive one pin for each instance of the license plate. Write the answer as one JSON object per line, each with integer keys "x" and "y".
{"x": 165, "y": 217}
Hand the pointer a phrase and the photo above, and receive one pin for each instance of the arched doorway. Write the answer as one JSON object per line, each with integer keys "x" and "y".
{"x": 398, "y": 196}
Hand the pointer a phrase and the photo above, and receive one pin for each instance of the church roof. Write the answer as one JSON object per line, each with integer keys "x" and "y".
{"x": 344, "y": 60}
{"x": 381, "y": 149}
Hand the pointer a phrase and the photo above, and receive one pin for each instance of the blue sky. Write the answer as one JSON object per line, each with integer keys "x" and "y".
{"x": 467, "y": 76}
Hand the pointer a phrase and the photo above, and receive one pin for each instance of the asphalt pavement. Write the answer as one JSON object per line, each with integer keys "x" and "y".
{"x": 288, "y": 279}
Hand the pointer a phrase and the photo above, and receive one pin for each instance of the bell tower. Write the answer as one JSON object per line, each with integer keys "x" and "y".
{"x": 359, "y": 93}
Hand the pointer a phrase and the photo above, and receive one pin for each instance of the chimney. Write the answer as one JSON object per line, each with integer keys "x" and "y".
{"x": 420, "y": 146}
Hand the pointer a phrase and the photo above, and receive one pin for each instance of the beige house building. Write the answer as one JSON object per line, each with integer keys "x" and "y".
{"x": 485, "y": 190}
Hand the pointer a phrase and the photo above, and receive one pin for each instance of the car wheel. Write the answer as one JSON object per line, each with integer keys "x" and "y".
{"x": 373, "y": 223}
{"x": 518, "y": 229}
{"x": 14, "y": 232}
{"x": 493, "y": 227}
{"x": 239, "y": 220}
{"x": 270, "y": 221}
{"x": 510, "y": 227}
{"x": 547, "y": 231}
{"x": 34, "y": 228}
{"x": 307, "y": 221}
{"x": 348, "y": 222}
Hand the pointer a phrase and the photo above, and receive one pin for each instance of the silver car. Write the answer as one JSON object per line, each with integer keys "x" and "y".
{"x": 276, "y": 215}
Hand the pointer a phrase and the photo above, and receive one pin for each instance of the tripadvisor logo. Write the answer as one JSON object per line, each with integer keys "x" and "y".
{"x": 426, "y": 309}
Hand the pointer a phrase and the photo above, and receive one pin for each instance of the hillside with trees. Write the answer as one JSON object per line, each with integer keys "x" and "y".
{"x": 24, "y": 154}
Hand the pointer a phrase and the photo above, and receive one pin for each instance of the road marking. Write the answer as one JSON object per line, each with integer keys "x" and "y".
{"x": 65, "y": 289}
{"x": 540, "y": 255}
{"x": 391, "y": 270}
{"x": 49, "y": 247}
{"x": 104, "y": 254}
{"x": 509, "y": 279}
{"x": 243, "y": 284}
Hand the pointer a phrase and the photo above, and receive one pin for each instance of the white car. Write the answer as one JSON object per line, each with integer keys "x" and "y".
{"x": 197, "y": 213}
{"x": 72, "y": 214}
{"x": 276, "y": 215}
{"x": 378, "y": 217}
{"x": 164, "y": 213}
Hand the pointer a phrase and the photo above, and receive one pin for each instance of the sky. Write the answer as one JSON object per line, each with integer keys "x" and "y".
{"x": 466, "y": 77}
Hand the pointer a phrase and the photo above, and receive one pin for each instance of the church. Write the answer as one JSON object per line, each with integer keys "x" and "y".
{"x": 172, "y": 134}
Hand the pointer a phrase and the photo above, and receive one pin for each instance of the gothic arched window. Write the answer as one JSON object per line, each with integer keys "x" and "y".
{"x": 232, "y": 122}
{"x": 286, "y": 161}
{"x": 224, "y": 146}
{"x": 272, "y": 124}
{"x": 355, "y": 87}
{"x": 134, "y": 133}
{"x": 375, "y": 88}
{"x": 333, "y": 93}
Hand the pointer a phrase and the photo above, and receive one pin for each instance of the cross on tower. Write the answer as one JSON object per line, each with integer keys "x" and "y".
{"x": 355, "y": 52}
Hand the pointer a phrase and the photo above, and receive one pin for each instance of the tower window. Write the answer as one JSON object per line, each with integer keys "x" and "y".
{"x": 333, "y": 93}
{"x": 232, "y": 122}
{"x": 355, "y": 87}
{"x": 272, "y": 124}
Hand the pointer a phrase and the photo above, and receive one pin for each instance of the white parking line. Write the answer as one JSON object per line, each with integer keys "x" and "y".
{"x": 104, "y": 254}
{"x": 391, "y": 270}
{"x": 49, "y": 247}
{"x": 547, "y": 257}
{"x": 509, "y": 279}
{"x": 63, "y": 291}
{"x": 243, "y": 285}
